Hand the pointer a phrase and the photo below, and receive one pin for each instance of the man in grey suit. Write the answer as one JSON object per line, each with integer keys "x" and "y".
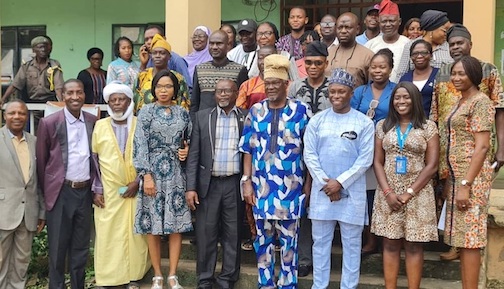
{"x": 214, "y": 166}
{"x": 21, "y": 203}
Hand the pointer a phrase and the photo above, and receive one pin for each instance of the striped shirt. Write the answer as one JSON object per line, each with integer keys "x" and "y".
{"x": 227, "y": 136}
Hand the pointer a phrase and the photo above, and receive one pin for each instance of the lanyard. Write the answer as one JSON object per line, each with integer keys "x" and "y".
{"x": 401, "y": 138}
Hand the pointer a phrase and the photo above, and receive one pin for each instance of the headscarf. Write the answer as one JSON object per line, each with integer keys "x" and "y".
{"x": 341, "y": 76}
{"x": 387, "y": 7}
{"x": 276, "y": 66}
{"x": 458, "y": 30}
{"x": 432, "y": 20}
{"x": 93, "y": 51}
{"x": 197, "y": 57}
{"x": 159, "y": 41}
{"x": 118, "y": 87}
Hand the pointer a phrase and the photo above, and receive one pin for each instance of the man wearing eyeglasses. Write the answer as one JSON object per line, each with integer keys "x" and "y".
{"x": 273, "y": 173}
{"x": 214, "y": 168}
{"x": 313, "y": 91}
{"x": 328, "y": 30}
{"x": 207, "y": 74}
{"x": 349, "y": 55}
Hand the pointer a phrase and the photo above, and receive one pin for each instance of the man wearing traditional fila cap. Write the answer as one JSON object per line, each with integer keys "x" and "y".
{"x": 338, "y": 149}
{"x": 273, "y": 173}
{"x": 115, "y": 187}
{"x": 390, "y": 38}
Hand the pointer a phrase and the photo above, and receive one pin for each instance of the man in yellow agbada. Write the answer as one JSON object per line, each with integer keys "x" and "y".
{"x": 120, "y": 256}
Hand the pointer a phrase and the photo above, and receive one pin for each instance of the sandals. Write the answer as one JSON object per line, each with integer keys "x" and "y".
{"x": 157, "y": 282}
{"x": 133, "y": 285}
{"x": 177, "y": 285}
{"x": 247, "y": 245}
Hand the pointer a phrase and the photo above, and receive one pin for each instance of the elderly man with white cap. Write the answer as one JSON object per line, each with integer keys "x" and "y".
{"x": 120, "y": 255}
{"x": 338, "y": 149}
{"x": 273, "y": 173}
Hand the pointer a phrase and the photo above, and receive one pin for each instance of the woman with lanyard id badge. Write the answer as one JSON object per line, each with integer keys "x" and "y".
{"x": 406, "y": 157}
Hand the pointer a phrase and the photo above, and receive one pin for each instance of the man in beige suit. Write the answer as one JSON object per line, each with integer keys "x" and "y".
{"x": 21, "y": 205}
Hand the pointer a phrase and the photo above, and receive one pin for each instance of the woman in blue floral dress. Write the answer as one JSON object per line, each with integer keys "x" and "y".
{"x": 157, "y": 156}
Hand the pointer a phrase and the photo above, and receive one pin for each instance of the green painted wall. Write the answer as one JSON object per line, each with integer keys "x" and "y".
{"x": 235, "y": 10}
{"x": 75, "y": 26}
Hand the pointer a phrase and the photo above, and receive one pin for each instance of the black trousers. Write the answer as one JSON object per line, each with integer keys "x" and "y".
{"x": 221, "y": 211}
{"x": 68, "y": 232}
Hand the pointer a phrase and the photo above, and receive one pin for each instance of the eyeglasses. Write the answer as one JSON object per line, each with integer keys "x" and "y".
{"x": 418, "y": 53}
{"x": 274, "y": 83}
{"x": 372, "y": 108}
{"x": 265, "y": 34}
{"x": 198, "y": 37}
{"x": 327, "y": 24}
{"x": 225, "y": 91}
{"x": 166, "y": 87}
{"x": 312, "y": 62}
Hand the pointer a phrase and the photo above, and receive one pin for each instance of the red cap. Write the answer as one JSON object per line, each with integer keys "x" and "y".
{"x": 387, "y": 7}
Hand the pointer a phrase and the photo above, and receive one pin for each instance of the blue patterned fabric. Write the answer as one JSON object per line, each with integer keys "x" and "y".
{"x": 155, "y": 150}
{"x": 264, "y": 245}
{"x": 274, "y": 138}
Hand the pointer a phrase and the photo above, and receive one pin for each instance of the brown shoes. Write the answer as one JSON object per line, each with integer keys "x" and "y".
{"x": 451, "y": 255}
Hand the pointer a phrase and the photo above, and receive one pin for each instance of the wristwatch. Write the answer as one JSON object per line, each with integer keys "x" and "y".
{"x": 245, "y": 178}
{"x": 465, "y": 183}
{"x": 410, "y": 191}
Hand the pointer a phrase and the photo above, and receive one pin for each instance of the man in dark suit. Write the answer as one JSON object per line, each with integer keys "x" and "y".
{"x": 65, "y": 172}
{"x": 21, "y": 203}
{"x": 214, "y": 166}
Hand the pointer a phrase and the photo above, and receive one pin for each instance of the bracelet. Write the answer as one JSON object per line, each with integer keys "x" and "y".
{"x": 387, "y": 191}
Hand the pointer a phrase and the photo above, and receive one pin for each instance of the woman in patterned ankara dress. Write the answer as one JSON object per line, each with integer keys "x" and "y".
{"x": 404, "y": 207}
{"x": 468, "y": 128}
{"x": 157, "y": 157}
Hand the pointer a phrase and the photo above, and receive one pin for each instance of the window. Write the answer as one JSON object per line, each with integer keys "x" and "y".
{"x": 316, "y": 9}
{"x": 16, "y": 49}
{"x": 135, "y": 32}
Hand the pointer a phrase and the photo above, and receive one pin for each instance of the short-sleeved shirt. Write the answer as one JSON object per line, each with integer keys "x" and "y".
{"x": 274, "y": 139}
{"x": 37, "y": 81}
{"x": 445, "y": 96}
{"x": 291, "y": 45}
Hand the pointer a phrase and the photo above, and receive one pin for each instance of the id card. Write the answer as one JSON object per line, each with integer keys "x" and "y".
{"x": 401, "y": 165}
{"x": 122, "y": 190}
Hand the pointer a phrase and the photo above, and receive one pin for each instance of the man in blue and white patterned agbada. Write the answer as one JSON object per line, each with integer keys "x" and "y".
{"x": 273, "y": 173}
{"x": 338, "y": 150}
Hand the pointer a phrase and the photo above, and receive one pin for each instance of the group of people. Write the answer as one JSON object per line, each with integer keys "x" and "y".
{"x": 296, "y": 134}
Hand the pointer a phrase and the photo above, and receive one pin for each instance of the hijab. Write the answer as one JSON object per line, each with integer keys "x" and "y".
{"x": 197, "y": 57}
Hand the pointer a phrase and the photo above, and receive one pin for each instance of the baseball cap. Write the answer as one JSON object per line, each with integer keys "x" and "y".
{"x": 247, "y": 25}
{"x": 373, "y": 8}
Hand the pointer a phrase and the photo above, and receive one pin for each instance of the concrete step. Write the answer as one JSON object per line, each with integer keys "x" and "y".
{"x": 372, "y": 264}
{"x": 248, "y": 278}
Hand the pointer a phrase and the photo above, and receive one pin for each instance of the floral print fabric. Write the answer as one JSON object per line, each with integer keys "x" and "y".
{"x": 157, "y": 139}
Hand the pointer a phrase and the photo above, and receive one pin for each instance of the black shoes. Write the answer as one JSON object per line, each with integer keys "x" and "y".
{"x": 304, "y": 270}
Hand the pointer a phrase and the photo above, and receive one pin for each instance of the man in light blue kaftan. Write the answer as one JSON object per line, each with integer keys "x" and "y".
{"x": 339, "y": 143}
